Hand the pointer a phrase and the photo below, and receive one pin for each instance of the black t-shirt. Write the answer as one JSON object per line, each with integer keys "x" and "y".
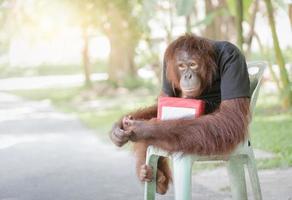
{"x": 230, "y": 81}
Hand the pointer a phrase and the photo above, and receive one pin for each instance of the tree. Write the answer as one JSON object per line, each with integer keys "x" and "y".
{"x": 84, "y": 16}
{"x": 290, "y": 13}
{"x": 251, "y": 22}
{"x": 213, "y": 20}
{"x": 239, "y": 19}
{"x": 123, "y": 30}
{"x": 185, "y": 8}
{"x": 284, "y": 77}
{"x": 118, "y": 21}
{"x": 85, "y": 55}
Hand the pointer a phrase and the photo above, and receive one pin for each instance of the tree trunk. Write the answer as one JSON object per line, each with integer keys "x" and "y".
{"x": 121, "y": 60}
{"x": 290, "y": 13}
{"x": 216, "y": 29}
{"x": 287, "y": 99}
{"x": 188, "y": 24}
{"x": 266, "y": 55}
{"x": 85, "y": 56}
{"x": 210, "y": 30}
{"x": 239, "y": 19}
{"x": 252, "y": 27}
{"x": 123, "y": 37}
{"x": 170, "y": 28}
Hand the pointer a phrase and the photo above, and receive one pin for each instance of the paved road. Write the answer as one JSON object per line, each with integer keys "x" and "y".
{"x": 48, "y": 155}
{"x": 45, "y": 154}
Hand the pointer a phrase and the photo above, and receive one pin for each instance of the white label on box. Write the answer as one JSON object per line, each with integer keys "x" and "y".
{"x": 176, "y": 112}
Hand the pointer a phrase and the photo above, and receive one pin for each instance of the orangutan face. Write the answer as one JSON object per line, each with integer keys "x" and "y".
{"x": 190, "y": 82}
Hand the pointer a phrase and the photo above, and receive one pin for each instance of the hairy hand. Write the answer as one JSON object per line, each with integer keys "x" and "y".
{"x": 119, "y": 135}
{"x": 138, "y": 128}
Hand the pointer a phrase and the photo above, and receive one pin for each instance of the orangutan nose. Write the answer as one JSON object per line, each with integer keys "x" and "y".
{"x": 188, "y": 76}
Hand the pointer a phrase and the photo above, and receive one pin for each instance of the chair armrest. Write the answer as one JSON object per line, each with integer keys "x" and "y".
{"x": 151, "y": 150}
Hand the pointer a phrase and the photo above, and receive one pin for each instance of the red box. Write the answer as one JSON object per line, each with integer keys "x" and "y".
{"x": 173, "y": 108}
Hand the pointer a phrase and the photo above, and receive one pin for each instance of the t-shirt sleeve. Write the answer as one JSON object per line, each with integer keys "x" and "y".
{"x": 166, "y": 85}
{"x": 234, "y": 74}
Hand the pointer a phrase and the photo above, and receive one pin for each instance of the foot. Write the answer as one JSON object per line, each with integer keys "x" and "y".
{"x": 146, "y": 175}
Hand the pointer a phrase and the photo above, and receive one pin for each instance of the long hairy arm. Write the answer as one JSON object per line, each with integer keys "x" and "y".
{"x": 215, "y": 133}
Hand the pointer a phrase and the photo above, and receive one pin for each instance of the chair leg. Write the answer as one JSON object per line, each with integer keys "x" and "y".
{"x": 182, "y": 176}
{"x": 253, "y": 175}
{"x": 237, "y": 178}
{"x": 150, "y": 187}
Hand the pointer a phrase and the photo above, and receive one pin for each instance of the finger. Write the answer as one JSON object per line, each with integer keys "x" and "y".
{"x": 119, "y": 144}
{"x": 119, "y": 141}
{"x": 127, "y": 119}
{"x": 143, "y": 173}
{"x": 129, "y": 122}
{"x": 128, "y": 133}
{"x": 116, "y": 135}
{"x": 116, "y": 141}
{"x": 124, "y": 121}
{"x": 143, "y": 168}
{"x": 143, "y": 179}
{"x": 149, "y": 175}
{"x": 148, "y": 168}
{"x": 120, "y": 134}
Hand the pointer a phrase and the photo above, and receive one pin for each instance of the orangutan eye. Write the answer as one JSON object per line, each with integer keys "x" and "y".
{"x": 193, "y": 65}
{"x": 182, "y": 67}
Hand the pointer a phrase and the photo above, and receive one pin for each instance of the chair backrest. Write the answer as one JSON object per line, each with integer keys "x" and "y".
{"x": 255, "y": 70}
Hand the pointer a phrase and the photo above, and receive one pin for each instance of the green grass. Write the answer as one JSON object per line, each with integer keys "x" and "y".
{"x": 57, "y": 96}
{"x": 271, "y": 128}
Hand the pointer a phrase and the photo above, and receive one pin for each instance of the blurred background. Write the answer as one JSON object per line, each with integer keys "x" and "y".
{"x": 96, "y": 60}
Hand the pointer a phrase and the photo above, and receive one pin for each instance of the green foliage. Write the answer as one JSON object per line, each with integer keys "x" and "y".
{"x": 208, "y": 19}
{"x": 184, "y": 7}
{"x": 150, "y": 6}
{"x": 135, "y": 82}
{"x": 257, "y": 55}
{"x": 132, "y": 83}
{"x": 284, "y": 75}
{"x": 282, "y": 4}
{"x": 58, "y": 96}
{"x": 246, "y": 5}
